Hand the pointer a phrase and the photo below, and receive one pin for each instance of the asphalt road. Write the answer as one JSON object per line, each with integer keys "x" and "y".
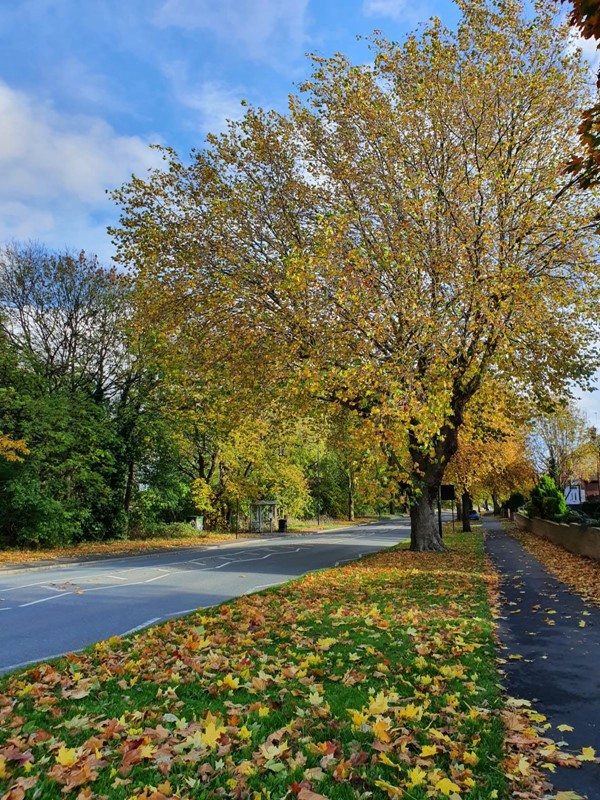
{"x": 51, "y": 611}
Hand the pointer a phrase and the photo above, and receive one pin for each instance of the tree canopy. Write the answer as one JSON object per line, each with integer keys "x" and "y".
{"x": 405, "y": 231}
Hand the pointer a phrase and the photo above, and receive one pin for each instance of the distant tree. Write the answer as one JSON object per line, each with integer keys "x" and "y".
{"x": 75, "y": 389}
{"x": 563, "y": 444}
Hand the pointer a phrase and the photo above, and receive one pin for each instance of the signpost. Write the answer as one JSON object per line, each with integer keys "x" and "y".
{"x": 445, "y": 492}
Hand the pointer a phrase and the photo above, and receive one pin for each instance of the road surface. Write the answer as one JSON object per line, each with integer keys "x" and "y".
{"x": 51, "y": 611}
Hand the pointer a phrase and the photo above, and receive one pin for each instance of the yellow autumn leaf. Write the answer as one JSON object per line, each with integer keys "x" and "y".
{"x": 381, "y": 730}
{"x": 446, "y": 786}
{"x": 392, "y": 792}
{"x": 358, "y": 717}
{"x": 428, "y": 750}
{"x": 470, "y": 758}
{"x": 326, "y": 643}
{"x": 416, "y": 777}
{"x": 146, "y": 751}
{"x": 564, "y": 727}
{"x": 523, "y": 766}
{"x": 4, "y": 773}
{"x": 411, "y": 711}
{"x": 385, "y": 759}
{"x": 67, "y": 756}
{"x": 230, "y": 682}
{"x": 587, "y": 754}
{"x": 211, "y": 734}
{"x": 378, "y": 704}
{"x": 244, "y": 733}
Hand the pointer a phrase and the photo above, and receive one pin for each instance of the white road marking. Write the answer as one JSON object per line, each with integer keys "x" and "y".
{"x": 52, "y": 588}
{"x": 139, "y": 627}
{"x": 45, "y": 599}
{"x": 261, "y": 558}
{"x": 265, "y": 585}
{"x": 5, "y": 608}
{"x": 116, "y": 577}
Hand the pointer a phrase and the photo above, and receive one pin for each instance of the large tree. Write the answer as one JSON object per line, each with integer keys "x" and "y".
{"x": 403, "y": 232}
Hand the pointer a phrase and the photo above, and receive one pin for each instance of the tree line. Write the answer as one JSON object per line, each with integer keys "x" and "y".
{"x": 98, "y": 441}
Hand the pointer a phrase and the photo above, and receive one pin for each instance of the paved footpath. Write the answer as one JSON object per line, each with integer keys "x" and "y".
{"x": 557, "y": 636}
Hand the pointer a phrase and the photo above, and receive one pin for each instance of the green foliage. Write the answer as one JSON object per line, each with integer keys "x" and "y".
{"x": 170, "y": 530}
{"x": 515, "y": 501}
{"x": 547, "y": 500}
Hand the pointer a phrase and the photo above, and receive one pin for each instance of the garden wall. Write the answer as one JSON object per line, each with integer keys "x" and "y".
{"x": 578, "y": 539}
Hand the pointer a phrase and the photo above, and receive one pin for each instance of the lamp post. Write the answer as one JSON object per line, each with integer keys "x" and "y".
{"x": 318, "y": 484}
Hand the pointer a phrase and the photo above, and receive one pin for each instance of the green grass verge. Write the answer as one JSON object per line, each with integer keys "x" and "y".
{"x": 372, "y": 680}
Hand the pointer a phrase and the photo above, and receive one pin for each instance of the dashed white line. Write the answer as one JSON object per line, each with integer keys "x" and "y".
{"x": 45, "y": 599}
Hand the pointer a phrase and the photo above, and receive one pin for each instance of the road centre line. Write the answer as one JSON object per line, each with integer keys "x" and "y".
{"x": 149, "y": 580}
{"x": 76, "y": 578}
{"x": 246, "y": 560}
{"x": 45, "y": 599}
{"x": 60, "y": 593}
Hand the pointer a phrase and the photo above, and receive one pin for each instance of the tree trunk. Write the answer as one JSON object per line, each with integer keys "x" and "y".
{"x": 424, "y": 531}
{"x": 496, "y": 505}
{"x": 129, "y": 487}
{"x": 466, "y": 510}
{"x": 350, "y": 496}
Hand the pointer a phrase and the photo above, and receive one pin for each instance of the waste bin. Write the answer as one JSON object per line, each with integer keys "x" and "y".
{"x": 283, "y": 525}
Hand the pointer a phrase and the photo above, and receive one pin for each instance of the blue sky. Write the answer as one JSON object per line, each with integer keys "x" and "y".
{"x": 87, "y": 85}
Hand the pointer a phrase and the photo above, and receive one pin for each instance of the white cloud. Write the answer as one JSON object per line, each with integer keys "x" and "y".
{"x": 213, "y": 101}
{"x": 398, "y": 10}
{"x": 266, "y": 30}
{"x": 55, "y": 169}
{"x": 589, "y": 51}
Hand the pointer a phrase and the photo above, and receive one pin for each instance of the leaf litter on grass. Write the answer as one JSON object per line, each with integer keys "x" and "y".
{"x": 376, "y": 679}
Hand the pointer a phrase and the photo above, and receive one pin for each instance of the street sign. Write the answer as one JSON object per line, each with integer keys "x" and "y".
{"x": 447, "y": 491}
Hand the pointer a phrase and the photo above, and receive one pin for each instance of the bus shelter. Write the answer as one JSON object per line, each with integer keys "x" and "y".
{"x": 262, "y": 515}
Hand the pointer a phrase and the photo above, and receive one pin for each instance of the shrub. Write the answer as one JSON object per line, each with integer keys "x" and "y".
{"x": 547, "y": 500}
{"x": 515, "y": 501}
{"x": 171, "y": 530}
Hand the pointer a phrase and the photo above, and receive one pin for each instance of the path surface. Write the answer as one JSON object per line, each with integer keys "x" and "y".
{"x": 51, "y": 611}
{"x": 557, "y": 636}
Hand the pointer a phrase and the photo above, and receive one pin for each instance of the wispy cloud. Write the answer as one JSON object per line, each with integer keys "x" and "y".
{"x": 397, "y": 10}
{"x": 265, "y": 30}
{"x": 55, "y": 170}
{"x": 212, "y": 102}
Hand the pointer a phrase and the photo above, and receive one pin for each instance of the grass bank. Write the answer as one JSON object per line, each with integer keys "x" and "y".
{"x": 374, "y": 680}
